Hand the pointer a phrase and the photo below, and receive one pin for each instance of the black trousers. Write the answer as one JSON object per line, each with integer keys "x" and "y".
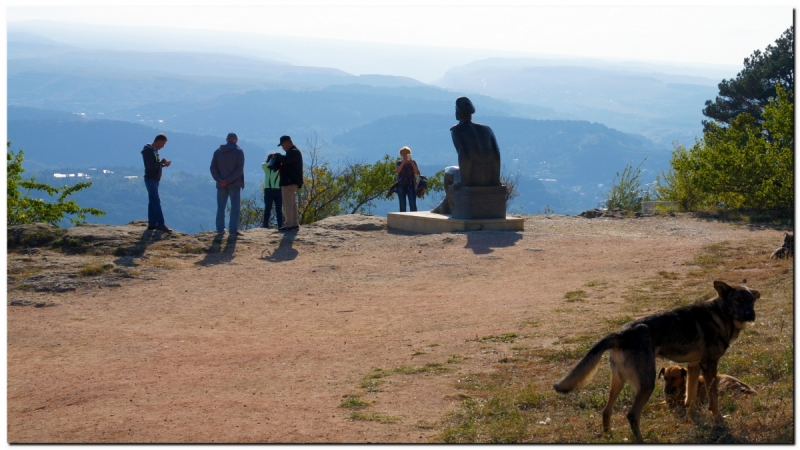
{"x": 273, "y": 196}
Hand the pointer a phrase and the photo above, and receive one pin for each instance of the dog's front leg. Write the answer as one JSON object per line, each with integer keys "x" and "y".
{"x": 712, "y": 382}
{"x": 691, "y": 385}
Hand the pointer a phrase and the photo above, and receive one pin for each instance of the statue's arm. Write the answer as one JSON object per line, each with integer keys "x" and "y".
{"x": 495, "y": 147}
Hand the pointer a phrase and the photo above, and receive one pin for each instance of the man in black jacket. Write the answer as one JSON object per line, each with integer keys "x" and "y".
{"x": 291, "y": 172}
{"x": 152, "y": 176}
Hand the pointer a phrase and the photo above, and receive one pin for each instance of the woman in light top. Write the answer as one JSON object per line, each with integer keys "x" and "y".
{"x": 406, "y": 170}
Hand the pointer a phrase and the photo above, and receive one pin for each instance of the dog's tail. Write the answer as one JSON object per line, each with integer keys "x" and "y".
{"x": 588, "y": 365}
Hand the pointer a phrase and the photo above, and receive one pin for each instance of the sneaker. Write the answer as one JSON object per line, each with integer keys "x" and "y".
{"x": 238, "y": 233}
{"x": 151, "y": 227}
{"x": 164, "y": 228}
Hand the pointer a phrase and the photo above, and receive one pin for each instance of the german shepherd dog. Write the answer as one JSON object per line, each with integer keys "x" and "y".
{"x": 697, "y": 334}
{"x": 675, "y": 386}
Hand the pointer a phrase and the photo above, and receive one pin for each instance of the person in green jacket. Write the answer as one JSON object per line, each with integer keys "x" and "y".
{"x": 272, "y": 190}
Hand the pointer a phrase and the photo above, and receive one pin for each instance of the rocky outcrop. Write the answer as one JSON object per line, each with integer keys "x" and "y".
{"x": 43, "y": 258}
{"x": 352, "y": 222}
{"x": 611, "y": 213}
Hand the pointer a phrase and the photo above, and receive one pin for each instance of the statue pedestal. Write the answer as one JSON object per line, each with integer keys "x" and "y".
{"x": 430, "y": 223}
{"x": 484, "y": 202}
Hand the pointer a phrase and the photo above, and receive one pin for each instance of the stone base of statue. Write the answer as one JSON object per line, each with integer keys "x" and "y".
{"x": 430, "y": 223}
{"x": 479, "y": 202}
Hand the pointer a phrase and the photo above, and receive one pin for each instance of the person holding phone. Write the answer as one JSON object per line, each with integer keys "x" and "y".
{"x": 153, "y": 164}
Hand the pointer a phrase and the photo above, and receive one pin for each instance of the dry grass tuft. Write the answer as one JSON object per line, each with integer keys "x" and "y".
{"x": 516, "y": 402}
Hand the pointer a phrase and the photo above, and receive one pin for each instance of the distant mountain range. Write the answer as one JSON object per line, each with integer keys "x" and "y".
{"x": 79, "y": 107}
{"x": 662, "y": 107}
{"x": 53, "y": 139}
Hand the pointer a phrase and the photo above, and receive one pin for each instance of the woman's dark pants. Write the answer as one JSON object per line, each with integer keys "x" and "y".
{"x": 273, "y": 196}
{"x": 404, "y": 191}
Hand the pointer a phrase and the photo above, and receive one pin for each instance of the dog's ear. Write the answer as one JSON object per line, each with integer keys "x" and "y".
{"x": 722, "y": 289}
{"x": 684, "y": 371}
{"x": 661, "y": 373}
{"x": 756, "y": 294}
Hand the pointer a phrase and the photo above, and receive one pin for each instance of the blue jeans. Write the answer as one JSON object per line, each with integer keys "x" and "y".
{"x": 404, "y": 191}
{"x": 155, "y": 217}
{"x": 273, "y": 196}
{"x": 223, "y": 193}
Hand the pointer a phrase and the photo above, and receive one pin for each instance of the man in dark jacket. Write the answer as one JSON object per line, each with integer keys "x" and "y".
{"x": 152, "y": 177}
{"x": 291, "y": 180}
{"x": 227, "y": 168}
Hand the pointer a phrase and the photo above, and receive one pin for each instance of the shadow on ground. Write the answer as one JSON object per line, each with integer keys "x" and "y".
{"x": 482, "y": 242}
{"x": 284, "y": 252}
{"x": 218, "y": 254}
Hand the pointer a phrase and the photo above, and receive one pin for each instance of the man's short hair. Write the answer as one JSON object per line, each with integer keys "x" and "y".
{"x": 160, "y": 137}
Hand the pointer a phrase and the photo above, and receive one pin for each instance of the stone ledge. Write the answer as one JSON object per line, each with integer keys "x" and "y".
{"x": 430, "y": 223}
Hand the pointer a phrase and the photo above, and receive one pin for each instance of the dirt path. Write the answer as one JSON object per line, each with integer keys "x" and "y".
{"x": 263, "y": 343}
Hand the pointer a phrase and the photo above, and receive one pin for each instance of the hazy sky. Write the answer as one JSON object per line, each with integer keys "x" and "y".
{"x": 678, "y": 33}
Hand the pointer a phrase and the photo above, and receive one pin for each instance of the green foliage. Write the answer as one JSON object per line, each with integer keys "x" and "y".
{"x": 746, "y": 165}
{"x": 368, "y": 182}
{"x": 324, "y": 189}
{"x": 349, "y": 188}
{"x": 24, "y": 209}
{"x": 251, "y": 210}
{"x": 626, "y": 190}
{"x": 755, "y": 85}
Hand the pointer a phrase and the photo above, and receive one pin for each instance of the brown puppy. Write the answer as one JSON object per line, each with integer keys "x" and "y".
{"x": 675, "y": 386}
{"x": 697, "y": 334}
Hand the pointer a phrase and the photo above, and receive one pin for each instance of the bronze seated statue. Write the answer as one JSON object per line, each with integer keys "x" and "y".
{"x": 472, "y": 189}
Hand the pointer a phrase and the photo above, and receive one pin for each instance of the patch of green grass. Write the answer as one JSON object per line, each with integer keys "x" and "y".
{"x": 94, "y": 269}
{"x": 190, "y": 249}
{"x": 531, "y": 323}
{"x": 72, "y": 245}
{"x": 620, "y": 321}
{"x": 502, "y": 405}
{"x": 417, "y": 353}
{"x": 433, "y": 345}
{"x": 507, "y": 337}
{"x": 20, "y": 273}
{"x": 374, "y": 417}
{"x": 427, "y": 368}
{"x": 23, "y": 287}
{"x": 353, "y": 403}
{"x": 575, "y": 296}
{"x": 455, "y": 359}
{"x": 376, "y": 373}
{"x": 570, "y": 353}
{"x": 668, "y": 275}
{"x": 596, "y": 283}
{"x": 371, "y": 385}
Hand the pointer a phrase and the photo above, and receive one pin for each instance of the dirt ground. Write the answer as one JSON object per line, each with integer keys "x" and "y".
{"x": 260, "y": 339}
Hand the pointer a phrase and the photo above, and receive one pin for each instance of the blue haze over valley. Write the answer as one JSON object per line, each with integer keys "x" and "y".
{"x": 85, "y": 99}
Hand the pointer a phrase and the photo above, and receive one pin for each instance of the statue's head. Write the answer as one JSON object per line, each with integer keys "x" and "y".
{"x": 464, "y": 109}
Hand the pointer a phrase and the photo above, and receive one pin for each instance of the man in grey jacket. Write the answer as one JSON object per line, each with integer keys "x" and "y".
{"x": 227, "y": 168}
